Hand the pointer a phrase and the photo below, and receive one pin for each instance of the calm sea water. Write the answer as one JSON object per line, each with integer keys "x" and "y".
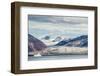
{"x": 30, "y": 58}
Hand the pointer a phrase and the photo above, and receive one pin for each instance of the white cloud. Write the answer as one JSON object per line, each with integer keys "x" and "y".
{"x": 59, "y": 19}
{"x": 57, "y": 27}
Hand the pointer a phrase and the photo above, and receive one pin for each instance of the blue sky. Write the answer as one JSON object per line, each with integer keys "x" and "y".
{"x": 54, "y": 26}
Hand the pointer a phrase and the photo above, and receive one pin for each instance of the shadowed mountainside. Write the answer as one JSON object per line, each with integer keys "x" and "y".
{"x": 35, "y": 44}
{"x": 81, "y": 41}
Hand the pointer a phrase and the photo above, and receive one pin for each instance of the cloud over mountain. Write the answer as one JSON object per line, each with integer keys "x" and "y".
{"x": 59, "y": 19}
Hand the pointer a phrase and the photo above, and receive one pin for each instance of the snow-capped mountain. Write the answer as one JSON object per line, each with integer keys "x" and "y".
{"x": 60, "y": 38}
{"x": 81, "y": 41}
{"x": 57, "y": 39}
{"x": 46, "y": 37}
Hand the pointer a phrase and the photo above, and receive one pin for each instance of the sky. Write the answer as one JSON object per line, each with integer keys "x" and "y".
{"x": 68, "y": 26}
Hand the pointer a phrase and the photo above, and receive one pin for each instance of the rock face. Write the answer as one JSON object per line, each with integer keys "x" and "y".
{"x": 35, "y": 44}
{"x": 81, "y": 41}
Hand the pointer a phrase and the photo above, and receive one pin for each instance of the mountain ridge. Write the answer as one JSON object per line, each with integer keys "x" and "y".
{"x": 35, "y": 44}
{"x": 80, "y": 41}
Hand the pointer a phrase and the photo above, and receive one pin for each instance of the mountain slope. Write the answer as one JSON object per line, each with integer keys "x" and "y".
{"x": 57, "y": 39}
{"x": 35, "y": 44}
{"x": 81, "y": 41}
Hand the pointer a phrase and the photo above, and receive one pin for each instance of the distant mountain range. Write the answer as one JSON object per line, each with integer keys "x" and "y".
{"x": 59, "y": 38}
{"x": 81, "y": 41}
{"x": 46, "y": 37}
{"x": 35, "y": 44}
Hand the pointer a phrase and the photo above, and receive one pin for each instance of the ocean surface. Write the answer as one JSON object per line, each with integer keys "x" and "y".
{"x": 58, "y": 57}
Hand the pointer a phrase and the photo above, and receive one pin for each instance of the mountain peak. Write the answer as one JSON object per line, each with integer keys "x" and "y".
{"x": 80, "y": 41}
{"x": 35, "y": 44}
